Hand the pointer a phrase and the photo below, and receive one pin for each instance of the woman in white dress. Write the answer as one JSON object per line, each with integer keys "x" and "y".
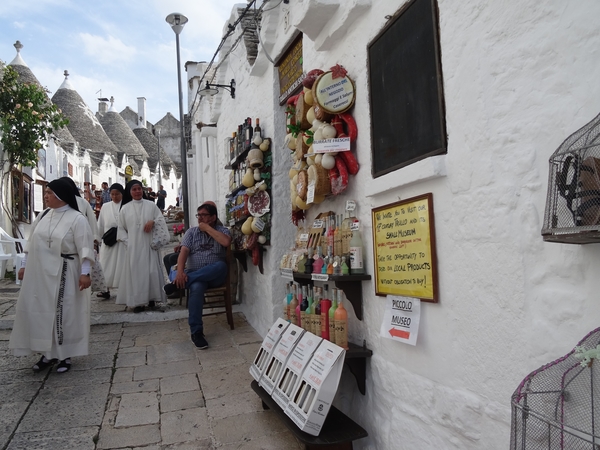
{"x": 142, "y": 277}
{"x": 98, "y": 282}
{"x": 112, "y": 258}
{"x": 53, "y": 309}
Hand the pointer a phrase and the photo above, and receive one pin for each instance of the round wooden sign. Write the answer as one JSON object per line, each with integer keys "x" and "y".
{"x": 334, "y": 95}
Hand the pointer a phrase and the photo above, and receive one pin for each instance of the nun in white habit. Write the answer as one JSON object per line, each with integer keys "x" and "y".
{"x": 112, "y": 257}
{"x": 53, "y": 309}
{"x": 142, "y": 278}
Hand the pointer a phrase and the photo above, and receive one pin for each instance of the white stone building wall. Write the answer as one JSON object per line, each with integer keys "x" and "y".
{"x": 518, "y": 77}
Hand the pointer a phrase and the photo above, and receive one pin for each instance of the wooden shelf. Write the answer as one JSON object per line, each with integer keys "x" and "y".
{"x": 350, "y": 284}
{"x": 356, "y": 360}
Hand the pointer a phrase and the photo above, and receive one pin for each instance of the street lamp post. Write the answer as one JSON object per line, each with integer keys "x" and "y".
{"x": 177, "y": 21}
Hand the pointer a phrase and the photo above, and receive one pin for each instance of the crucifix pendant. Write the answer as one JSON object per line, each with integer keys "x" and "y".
{"x": 49, "y": 242}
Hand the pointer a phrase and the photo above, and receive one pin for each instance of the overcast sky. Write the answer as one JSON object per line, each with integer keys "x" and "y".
{"x": 122, "y": 48}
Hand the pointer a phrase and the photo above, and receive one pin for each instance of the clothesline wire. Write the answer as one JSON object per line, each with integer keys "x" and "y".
{"x": 195, "y": 103}
{"x": 230, "y": 31}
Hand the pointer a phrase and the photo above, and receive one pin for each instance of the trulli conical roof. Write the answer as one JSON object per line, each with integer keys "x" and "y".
{"x": 83, "y": 124}
{"x": 150, "y": 143}
{"x": 25, "y": 73}
{"x": 67, "y": 141}
{"x": 121, "y": 135}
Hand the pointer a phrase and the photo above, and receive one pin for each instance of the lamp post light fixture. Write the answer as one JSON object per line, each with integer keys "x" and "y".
{"x": 177, "y": 21}
{"x": 211, "y": 89}
{"x": 157, "y": 129}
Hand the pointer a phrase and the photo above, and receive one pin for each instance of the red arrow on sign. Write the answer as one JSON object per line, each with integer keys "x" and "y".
{"x": 395, "y": 332}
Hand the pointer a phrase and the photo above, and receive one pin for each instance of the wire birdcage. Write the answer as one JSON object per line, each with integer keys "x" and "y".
{"x": 557, "y": 407}
{"x": 572, "y": 213}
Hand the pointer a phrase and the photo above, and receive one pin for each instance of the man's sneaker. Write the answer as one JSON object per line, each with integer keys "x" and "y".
{"x": 169, "y": 288}
{"x": 199, "y": 341}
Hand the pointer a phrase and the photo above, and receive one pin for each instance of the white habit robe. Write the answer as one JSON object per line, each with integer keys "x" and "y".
{"x": 86, "y": 209}
{"x": 142, "y": 278}
{"x": 49, "y": 319}
{"x": 112, "y": 258}
{"x": 98, "y": 277}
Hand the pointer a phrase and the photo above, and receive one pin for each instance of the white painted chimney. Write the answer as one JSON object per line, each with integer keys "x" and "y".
{"x": 141, "y": 112}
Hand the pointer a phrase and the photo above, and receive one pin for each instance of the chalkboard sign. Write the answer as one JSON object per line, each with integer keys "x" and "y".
{"x": 406, "y": 96}
{"x": 404, "y": 249}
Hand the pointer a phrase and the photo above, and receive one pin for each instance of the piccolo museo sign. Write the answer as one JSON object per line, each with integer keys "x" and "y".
{"x": 404, "y": 249}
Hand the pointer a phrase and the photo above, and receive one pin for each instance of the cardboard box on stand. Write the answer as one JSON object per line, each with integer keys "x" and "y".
{"x": 315, "y": 390}
{"x": 263, "y": 356}
{"x": 297, "y": 362}
{"x": 279, "y": 357}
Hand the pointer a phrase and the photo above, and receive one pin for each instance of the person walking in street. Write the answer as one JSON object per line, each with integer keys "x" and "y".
{"x": 112, "y": 251}
{"x": 203, "y": 254}
{"x": 105, "y": 193}
{"x": 53, "y": 309}
{"x": 142, "y": 276}
{"x": 92, "y": 199}
{"x": 161, "y": 195}
{"x": 85, "y": 208}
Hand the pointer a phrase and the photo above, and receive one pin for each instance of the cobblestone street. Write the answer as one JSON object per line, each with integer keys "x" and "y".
{"x": 143, "y": 385}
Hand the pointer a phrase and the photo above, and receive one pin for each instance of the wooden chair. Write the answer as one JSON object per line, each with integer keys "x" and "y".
{"x": 219, "y": 297}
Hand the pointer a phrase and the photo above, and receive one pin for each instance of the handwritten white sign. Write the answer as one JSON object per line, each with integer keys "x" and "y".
{"x": 401, "y": 319}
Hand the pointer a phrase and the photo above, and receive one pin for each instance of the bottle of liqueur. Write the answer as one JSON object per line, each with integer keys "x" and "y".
{"x": 310, "y": 309}
{"x": 318, "y": 262}
{"x": 293, "y": 306}
{"x": 337, "y": 265}
{"x": 303, "y": 308}
{"x": 345, "y": 268}
{"x": 331, "y": 315}
{"x": 325, "y": 306}
{"x": 248, "y": 134}
{"x": 317, "y": 304}
{"x": 257, "y": 129}
{"x": 356, "y": 251}
{"x": 346, "y": 234}
{"x": 330, "y": 265}
{"x": 309, "y": 262}
{"x": 341, "y": 322}
{"x": 330, "y": 232}
{"x": 232, "y": 146}
{"x": 298, "y": 311}
{"x": 286, "y": 302}
{"x": 337, "y": 236}
{"x": 240, "y": 141}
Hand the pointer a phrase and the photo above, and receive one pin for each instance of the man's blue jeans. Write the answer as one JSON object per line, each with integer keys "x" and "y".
{"x": 211, "y": 276}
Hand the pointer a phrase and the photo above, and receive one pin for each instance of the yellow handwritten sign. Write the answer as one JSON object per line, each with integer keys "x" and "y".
{"x": 404, "y": 247}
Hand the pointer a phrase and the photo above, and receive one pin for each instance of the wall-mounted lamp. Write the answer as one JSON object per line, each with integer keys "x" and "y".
{"x": 211, "y": 89}
{"x": 200, "y": 125}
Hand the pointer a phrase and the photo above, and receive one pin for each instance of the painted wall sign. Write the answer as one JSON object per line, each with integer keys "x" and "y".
{"x": 290, "y": 71}
{"x": 404, "y": 249}
{"x": 334, "y": 95}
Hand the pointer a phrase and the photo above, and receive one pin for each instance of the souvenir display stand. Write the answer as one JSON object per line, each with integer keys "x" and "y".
{"x": 296, "y": 375}
{"x": 248, "y": 203}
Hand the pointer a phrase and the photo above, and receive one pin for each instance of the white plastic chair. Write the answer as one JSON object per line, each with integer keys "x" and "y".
{"x": 8, "y": 252}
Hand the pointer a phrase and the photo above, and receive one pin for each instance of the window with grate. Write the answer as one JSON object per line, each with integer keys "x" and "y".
{"x": 406, "y": 95}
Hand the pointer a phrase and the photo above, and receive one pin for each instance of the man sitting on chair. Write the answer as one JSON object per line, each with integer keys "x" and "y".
{"x": 204, "y": 249}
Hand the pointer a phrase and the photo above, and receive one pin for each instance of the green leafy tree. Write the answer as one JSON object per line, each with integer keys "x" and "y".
{"x": 27, "y": 117}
